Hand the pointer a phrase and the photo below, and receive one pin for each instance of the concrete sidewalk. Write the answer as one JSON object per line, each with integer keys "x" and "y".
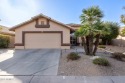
{"x": 62, "y": 79}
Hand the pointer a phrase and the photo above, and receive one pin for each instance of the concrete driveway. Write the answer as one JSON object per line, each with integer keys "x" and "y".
{"x": 29, "y": 62}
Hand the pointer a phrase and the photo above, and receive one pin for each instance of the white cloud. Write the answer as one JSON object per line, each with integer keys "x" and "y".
{"x": 12, "y": 13}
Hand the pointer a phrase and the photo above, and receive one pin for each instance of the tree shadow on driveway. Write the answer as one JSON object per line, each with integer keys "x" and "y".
{"x": 24, "y": 64}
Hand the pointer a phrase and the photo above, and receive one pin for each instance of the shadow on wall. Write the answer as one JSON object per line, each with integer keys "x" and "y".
{"x": 118, "y": 42}
{"x": 12, "y": 41}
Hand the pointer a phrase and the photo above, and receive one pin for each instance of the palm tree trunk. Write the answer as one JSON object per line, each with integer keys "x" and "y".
{"x": 91, "y": 44}
{"x": 104, "y": 41}
{"x": 84, "y": 45}
{"x": 87, "y": 44}
{"x": 96, "y": 43}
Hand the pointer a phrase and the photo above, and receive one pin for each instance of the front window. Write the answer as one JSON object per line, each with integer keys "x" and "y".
{"x": 73, "y": 41}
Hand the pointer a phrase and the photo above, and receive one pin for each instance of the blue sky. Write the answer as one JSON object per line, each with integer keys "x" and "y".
{"x": 13, "y": 12}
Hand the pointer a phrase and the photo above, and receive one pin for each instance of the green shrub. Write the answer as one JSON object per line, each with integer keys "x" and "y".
{"x": 4, "y": 41}
{"x": 101, "y": 61}
{"x": 102, "y": 46}
{"x": 118, "y": 55}
{"x": 73, "y": 56}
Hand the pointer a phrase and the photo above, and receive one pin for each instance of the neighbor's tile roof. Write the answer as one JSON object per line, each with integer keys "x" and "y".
{"x": 74, "y": 25}
{"x": 5, "y": 30}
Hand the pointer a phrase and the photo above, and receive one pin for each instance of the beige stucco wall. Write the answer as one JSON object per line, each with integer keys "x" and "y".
{"x": 119, "y": 41}
{"x": 12, "y": 41}
{"x": 43, "y": 19}
{"x": 53, "y": 27}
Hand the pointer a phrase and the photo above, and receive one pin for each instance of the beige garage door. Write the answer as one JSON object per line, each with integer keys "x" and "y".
{"x": 42, "y": 40}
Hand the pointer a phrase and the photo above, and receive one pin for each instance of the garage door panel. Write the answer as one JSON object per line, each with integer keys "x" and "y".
{"x": 42, "y": 40}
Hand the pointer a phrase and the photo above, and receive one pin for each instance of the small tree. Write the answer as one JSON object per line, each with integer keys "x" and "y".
{"x": 4, "y": 41}
{"x": 113, "y": 32}
{"x": 91, "y": 29}
{"x": 122, "y": 33}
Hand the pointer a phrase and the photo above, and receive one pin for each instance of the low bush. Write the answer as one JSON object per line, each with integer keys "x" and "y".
{"x": 4, "y": 41}
{"x": 102, "y": 46}
{"x": 73, "y": 56}
{"x": 118, "y": 55}
{"x": 101, "y": 61}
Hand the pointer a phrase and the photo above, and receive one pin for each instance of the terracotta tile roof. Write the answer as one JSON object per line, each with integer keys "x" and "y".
{"x": 74, "y": 25}
{"x": 5, "y": 30}
{"x": 36, "y": 17}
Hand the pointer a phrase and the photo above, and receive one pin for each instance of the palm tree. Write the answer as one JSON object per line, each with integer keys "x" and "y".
{"x": 113, "y": 32}
{"x": 123, "y": 17}
{"x": 91, "y": 30}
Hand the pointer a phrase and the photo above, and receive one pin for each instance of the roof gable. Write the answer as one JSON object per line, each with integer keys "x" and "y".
{"x": 36, "y": 17}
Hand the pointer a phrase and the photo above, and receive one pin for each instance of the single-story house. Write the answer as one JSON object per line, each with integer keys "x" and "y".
{"x": 5, "y": 31}
{"x": 43, "y": 32}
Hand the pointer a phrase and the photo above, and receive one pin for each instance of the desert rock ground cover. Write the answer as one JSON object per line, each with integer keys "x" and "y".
{"x": 115, "y": 49}
{"x": 85, "y": 67}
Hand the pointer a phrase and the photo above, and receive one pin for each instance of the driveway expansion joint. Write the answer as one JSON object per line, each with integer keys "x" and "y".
{"x": 44, "y": 69}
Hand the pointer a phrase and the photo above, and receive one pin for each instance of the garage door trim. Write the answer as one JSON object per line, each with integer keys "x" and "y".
{"x": 24, "y": 32}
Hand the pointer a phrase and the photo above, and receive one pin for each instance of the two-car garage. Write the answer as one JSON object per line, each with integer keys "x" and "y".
{"x": 42, "y": 40}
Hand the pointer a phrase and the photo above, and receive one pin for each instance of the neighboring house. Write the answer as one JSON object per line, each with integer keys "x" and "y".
{"x": 74, "y": 26}
{"x": 5, "y": 31}
{"x": 42, "y": 32}
{"x": 119, "y": 41}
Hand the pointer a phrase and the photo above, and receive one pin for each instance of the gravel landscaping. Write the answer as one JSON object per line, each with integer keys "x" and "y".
{"x": 115, "y": 49}
{"x": 85, "y": 67}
